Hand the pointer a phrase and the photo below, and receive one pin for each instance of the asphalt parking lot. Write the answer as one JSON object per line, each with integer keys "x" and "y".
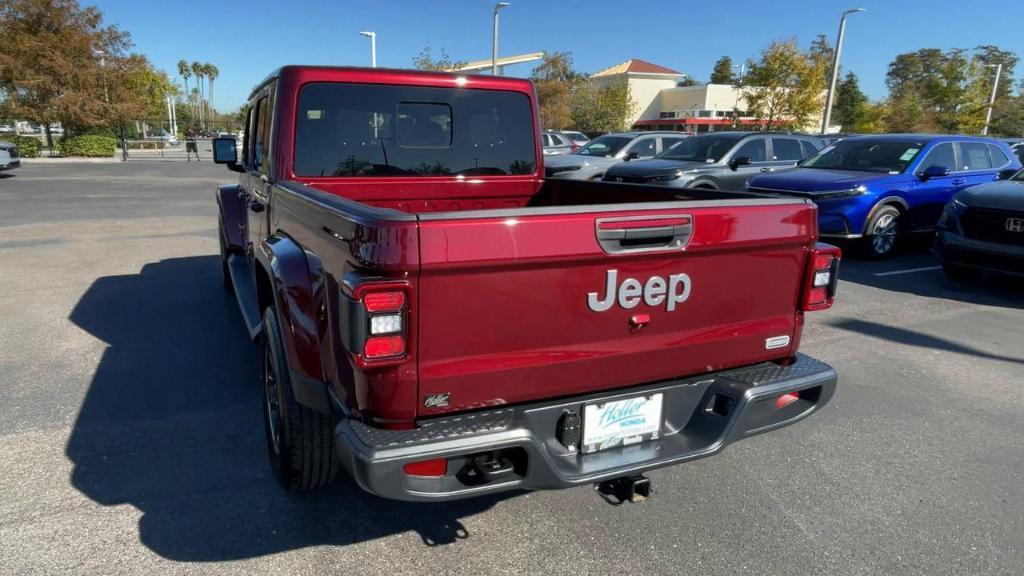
{"x": 131, "y": 438}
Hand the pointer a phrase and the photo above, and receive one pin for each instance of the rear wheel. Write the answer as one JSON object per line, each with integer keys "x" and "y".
{"x": 882, "y": 231}
{"x": 300, "y": 441}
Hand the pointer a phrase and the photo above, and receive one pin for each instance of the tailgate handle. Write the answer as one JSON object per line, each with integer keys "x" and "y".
{"x": 644, "y": 233}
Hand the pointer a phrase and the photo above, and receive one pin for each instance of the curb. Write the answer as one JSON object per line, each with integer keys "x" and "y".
{"x": 110, "y": 160}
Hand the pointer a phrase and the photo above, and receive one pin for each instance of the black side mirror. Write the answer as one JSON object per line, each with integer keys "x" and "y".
{"x": 631, "y": 156}
{"x": 225, "y": 151}
{"x": 1007, "y": 174}
{"x": 735, "y": 163}
{"x": 933, "y": 171}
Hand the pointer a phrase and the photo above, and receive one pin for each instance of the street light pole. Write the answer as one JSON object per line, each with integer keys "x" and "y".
{"x": 373, "y": 47}
{"x": 835, "y": 68}
{"x": 992, "y": 99}
{"x": 494, "y": 40}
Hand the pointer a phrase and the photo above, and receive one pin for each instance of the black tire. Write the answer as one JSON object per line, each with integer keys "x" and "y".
{"x": 300, "y": 441}
{"x": 703, "y": 186}
{"x": 957, "y": 273}
{"x": 225, "y": 273}
{"x": 881, "y": 233}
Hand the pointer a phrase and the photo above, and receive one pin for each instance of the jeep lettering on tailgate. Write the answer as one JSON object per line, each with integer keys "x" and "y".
{"x": 654, "y": 291}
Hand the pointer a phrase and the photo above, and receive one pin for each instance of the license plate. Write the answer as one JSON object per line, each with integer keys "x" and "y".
{"x": 621, "y": 423}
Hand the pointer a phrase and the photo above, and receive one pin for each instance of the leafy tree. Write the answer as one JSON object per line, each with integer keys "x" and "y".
{"x": 784, "y": 85}
{"x": 185, "y": 71}
{"x": 821, "y": 55}
{"x": 424, "y": 61}
{"x": 601, "y": 108}
{"x": 851, "y": 107}
{"x": 212, "y": 72}
{"x": 687, "y": 81}
{"x": 932, "y": 90}
{"x": 50, "y": 54}
{"x": 553, "y": 79}
{"x": 722, "y": 72}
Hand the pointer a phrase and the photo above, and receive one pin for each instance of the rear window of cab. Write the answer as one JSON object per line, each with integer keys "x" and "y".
{"x": 359, "y": 130}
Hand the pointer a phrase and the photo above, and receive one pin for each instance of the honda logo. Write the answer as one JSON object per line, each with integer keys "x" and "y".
{"x": 1015, "y": 224}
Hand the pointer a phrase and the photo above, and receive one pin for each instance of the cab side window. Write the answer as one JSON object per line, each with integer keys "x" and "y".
{"x": 974, "y": 156}
{"x": 644, "y": 147}
{"x": 786, "y": 149}
{"x": 941, "y": 155}
{"x": 753, "y": 149}
{"x": 261, "y": 137}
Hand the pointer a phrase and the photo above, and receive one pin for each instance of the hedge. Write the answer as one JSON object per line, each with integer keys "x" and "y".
{"x": 91, "y": 146}
{"x": 28, "y": 147}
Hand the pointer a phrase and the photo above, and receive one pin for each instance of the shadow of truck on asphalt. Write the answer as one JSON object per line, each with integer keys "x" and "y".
{"x": 171, "y": 425}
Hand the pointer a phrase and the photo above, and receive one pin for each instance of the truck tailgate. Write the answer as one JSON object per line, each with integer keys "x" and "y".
{"x": 514, "y": 307}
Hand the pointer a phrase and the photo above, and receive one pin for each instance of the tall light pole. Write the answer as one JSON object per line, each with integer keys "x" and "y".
{"x": 373, "y": 47}
{"x": 743, "y": 70}
{"x": 835, "y": 68}
{"x": 992, "y": 99}
{"x": 494, "y": 41}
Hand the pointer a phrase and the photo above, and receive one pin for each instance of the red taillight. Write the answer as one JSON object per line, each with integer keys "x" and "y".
{"x": 786, "y": 399}
{"x": 381, "y": 334}
{"x": 384, "y": 347}
{"x": 384, "y": 301}
{"x": 435, "y": 468}
{"x": 822, "y": 277}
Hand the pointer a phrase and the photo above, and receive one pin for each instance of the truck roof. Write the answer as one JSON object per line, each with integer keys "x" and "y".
{"x": 312, "y": 73}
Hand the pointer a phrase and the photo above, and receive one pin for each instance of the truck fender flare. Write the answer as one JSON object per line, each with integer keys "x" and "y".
{"x": 233, "y": 214}
{"x": 885, "y": 201}
{"x": 297, "y": 292}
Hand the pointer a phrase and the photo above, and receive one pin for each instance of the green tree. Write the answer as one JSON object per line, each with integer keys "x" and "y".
{"x": 784, "y": 86}
{"x": 601, "y": 108}
{"x": 212, "y": 72}
{"x": 687, "y": 81}
{"x": 722, "y": 72}
{"x": 851, "y": 107}
{"x": 554, "y": 79}
{"x": 50, "y": 62}
{"x": 424, "y": 61}
{"x": 185, "y": 71}
{"x": 821, "y": 55}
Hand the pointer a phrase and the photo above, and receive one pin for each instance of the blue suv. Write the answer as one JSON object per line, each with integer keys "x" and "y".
{"x": 875, "y": 187}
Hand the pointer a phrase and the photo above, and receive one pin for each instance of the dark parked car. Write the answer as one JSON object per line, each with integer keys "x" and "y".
{"x": 719, "y": 161}
{"x": 982, "y": 228}
{"x": 875, "y": 187}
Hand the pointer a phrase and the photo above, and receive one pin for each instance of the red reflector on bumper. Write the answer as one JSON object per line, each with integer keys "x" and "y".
{"x": 786, "y": 399}
{"x": 384, "y": 346}
{"x": 434, "y": 468}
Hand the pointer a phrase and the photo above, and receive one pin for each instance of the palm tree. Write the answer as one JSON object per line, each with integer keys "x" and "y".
{"x": 211, "y": 74}
{"x": 185, "y": 72}
{"x": 198, "y": 70}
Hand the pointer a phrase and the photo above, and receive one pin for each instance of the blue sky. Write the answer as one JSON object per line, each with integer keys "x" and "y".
{"x": 246, "y": 40}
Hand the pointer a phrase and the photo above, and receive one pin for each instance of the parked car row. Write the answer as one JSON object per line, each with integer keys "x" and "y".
{"x": 869, "y": 189}
{"x": 874, "y": 188}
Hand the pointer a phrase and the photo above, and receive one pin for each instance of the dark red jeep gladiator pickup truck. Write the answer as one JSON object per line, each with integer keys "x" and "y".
{"x": 441, "y": 321}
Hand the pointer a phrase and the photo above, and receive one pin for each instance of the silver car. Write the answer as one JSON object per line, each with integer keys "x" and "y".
{"x": 555, "y": 143}
{"x": 9, "y": 156}
{"x": 603, "y": 152}
{"x": 577, "y": 138}
{"x": 719, "y": 160}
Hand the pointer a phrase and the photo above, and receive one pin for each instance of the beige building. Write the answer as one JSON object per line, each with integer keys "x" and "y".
{"x": 661, "y": 104}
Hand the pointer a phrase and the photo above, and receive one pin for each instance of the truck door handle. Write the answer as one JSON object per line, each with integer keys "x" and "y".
{"x": 767, "y": 169}
{"x": 958, "y": 181}
{"x": 644, "y": 233}
{"x": 256, "y": 206}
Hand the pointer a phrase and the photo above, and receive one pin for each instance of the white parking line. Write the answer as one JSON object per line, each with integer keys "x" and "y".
{"x": 910, "y": 271}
